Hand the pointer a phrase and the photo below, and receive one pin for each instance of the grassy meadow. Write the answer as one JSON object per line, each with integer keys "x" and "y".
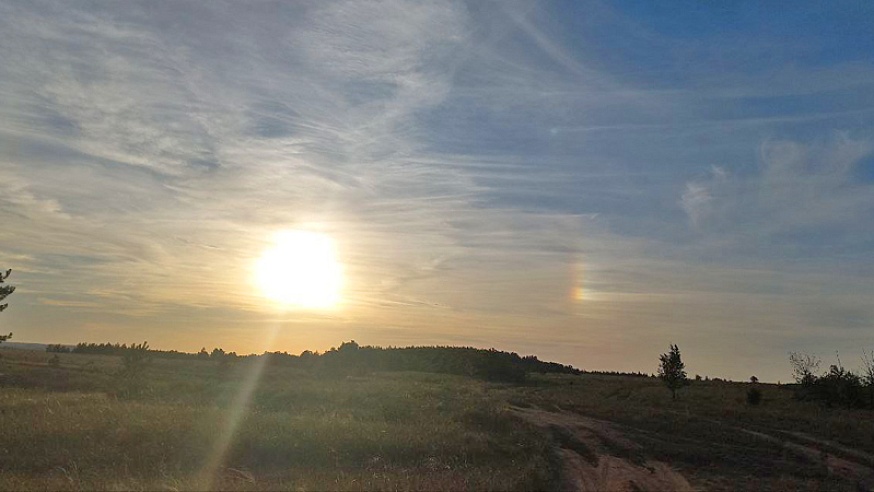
{"x": 79, "y": 425}
{"x": 80, "y": 422}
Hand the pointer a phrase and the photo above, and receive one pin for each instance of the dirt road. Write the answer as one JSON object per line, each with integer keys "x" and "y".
{"x": 597, "y": 455}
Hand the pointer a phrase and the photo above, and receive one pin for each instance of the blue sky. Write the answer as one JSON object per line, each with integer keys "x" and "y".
{"x": 586, "y": 181}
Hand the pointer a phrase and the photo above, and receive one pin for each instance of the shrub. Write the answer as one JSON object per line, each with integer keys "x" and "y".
{"x": 130, "y": 379}
{"x": 839, "y": 386}
{"x": 754, "y": 396}
{"x": 868, "y": 375}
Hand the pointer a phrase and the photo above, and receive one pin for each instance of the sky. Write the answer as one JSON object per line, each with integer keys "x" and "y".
{"x": 585, "y": 181}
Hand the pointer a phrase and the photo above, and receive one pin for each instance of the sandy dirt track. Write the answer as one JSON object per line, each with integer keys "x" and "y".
{"x": 597, "y": 457}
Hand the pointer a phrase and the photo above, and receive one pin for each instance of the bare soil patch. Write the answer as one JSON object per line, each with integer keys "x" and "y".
{"x": 601, "y": 455}
{"x": 596, "y": 456}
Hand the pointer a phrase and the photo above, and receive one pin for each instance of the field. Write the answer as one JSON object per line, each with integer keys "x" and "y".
{"x": 81, "y": 422}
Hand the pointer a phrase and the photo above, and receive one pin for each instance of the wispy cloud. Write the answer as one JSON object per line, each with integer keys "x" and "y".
{"x": 696, "y": 199}
{"x": 796, "y": 188}
{"x": 477, "y": 164}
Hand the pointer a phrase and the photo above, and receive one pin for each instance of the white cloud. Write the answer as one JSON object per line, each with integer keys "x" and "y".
{"x": 798, "y": 186}
{"x": 698, "y": 196}
{"x": 695, "y": 201}
{"x": 811, "y": 184}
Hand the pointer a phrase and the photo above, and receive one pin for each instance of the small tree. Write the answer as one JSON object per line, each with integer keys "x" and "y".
{"x": 868, "y": 375}
{"x": 804, "y": 367}
{"x": 672, "y": 371}
{"x": 5, "y": 290}
{"x": 135, "y": 359}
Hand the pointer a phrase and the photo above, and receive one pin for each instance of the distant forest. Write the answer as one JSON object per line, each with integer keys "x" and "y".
{"x": 350, "y": 359}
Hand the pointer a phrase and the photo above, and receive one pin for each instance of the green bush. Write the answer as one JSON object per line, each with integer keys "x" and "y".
{"x": 837, "y": 387}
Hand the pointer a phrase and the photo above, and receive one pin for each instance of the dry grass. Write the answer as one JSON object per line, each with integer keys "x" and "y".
{"x": 383, "y": 431}
{"x": 711, "y": 433}
{"x": 81, "y": 426}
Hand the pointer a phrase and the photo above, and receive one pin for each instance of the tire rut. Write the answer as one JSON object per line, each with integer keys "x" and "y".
{"x": 595, "y": 456}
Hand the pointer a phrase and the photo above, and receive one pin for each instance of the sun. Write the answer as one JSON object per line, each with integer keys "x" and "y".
{"x": 301, "y": 270}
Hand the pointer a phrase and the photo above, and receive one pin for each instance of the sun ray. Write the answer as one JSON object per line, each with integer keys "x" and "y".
{"x": 210, "y": 471}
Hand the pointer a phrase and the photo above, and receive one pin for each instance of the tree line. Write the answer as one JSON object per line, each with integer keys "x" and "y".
{"x": 351, "y": 358}
{"x": 120, "y": 349}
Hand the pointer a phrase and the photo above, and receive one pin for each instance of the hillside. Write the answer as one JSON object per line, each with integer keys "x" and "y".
{"x": 396, "y": 419}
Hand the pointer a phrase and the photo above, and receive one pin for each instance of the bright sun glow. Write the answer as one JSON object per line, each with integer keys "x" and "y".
{"x": 301, "y": 270}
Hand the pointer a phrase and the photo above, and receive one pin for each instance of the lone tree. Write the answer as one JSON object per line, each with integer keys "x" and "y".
{"x": 5, "y": 290}
{"x": 672, "y": 371}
